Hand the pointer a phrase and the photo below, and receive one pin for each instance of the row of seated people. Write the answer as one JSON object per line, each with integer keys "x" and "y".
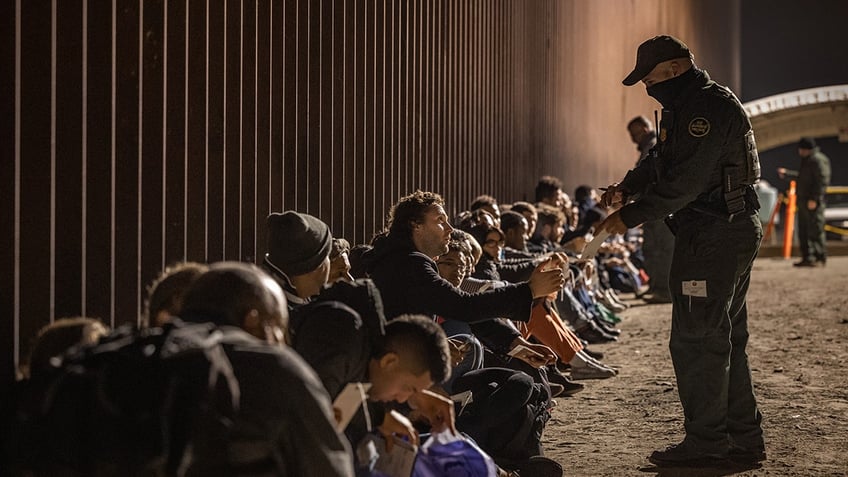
{"x": 472, "y": 330}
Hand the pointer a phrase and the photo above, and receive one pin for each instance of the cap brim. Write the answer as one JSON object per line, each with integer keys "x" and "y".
{"x": 635, "y": 76}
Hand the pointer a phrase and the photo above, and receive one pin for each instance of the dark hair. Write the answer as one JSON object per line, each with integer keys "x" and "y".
{"x": 421, "y": 343}
{"x": 549, "y": 215}
{"x": 339, "y": 247}
{"x": 511, "y": 220}
{"x": 357, "y": 267}
{"x": 582, "y": 192}
{"x": 482, "y": 201}
{"x": 410, "y": 210}
{"x": 547, "y": 187}
{"x": 474, "y": 218}
{"x": 227, "y": 292}
{"x": 522, "y": 207}
{"x": 60, "y": 336}
{"x": 167, "y": 291}
{"x": 460, "y": 245}
{"x": 481, "y": 231}
{"x": 639, "y": 120}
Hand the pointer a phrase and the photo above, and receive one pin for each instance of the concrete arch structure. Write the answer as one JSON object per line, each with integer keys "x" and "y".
{"x": 784, "y": 118}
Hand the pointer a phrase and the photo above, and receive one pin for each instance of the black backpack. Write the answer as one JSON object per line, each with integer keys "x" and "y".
{"x": 125, "y": 406}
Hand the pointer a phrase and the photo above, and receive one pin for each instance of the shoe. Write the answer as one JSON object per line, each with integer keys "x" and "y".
{"x": 569, "y": 386}
{"x": 655, "y": 298}
{"x": 556, "y": 389}
{"x": 594, "y": 335}
{"x": 593, "y": 354}
{"x": 607, "y": 328}
{"x": 590, "y": 361}
{"x": 604, "y": 314}
{"x": 609, "y": 303}
{"x": 611, "y": 295}
{"x": 683, "y": 455}
{"x": 591, "y": 371}
{"x": 804, "y": 263}
{"x": 538, "y": 466}
{"x": 740, "y": 455}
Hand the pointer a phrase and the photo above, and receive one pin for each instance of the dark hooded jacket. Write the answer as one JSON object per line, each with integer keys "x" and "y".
{"x": 409, "y": 282}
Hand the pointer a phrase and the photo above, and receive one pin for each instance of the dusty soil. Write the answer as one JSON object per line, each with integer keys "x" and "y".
{"x": 798, "y": 320}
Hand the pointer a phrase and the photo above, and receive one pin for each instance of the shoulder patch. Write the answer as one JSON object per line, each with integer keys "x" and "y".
{"x": 699, "y": 127}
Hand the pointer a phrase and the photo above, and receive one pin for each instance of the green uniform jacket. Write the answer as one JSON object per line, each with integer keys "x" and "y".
{"x": 705, "y": 134}
{"x": 813, "y": 177}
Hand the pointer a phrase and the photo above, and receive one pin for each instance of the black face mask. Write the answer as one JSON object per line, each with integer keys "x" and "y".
{"x": 667, "y": 91}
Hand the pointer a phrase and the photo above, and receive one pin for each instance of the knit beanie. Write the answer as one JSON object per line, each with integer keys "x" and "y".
{"x": 297, "y": 243}
{"x": 807, "y": 143}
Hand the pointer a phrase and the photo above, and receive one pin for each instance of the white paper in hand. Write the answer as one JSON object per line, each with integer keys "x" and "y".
{"x": 348, "y": 401}
{"x": 399, "y": 462}
{"x": 591, "y": 248}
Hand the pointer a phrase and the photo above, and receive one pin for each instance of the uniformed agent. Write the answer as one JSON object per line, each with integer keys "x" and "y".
{"x": 701, "y": 171}
{"x": 813, "y": 179}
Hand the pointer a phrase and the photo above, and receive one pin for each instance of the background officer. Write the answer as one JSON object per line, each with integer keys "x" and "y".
{"x": 813, "y": 179}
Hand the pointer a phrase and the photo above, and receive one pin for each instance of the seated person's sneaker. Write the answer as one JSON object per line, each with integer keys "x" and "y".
{"x": 685, "y": 455}
{"x": 592, "y": 371}
{"x": 537, "y": 466}
{"x": 744, "y": 455}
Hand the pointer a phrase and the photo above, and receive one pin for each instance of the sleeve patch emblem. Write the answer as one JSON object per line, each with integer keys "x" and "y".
{"x": 699, "y": 127}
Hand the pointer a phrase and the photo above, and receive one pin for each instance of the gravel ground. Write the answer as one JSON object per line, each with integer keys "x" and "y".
{"x": 798, "y": 320}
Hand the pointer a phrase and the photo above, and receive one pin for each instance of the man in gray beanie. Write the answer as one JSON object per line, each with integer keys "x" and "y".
{"x": 298, "y": 254}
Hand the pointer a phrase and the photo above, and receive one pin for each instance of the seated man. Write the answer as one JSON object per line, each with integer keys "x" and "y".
{"x": 340, "y": 261}
{"x": 165, "y": 293}
{"x": 529, "y": 212}
{"x": 216, "y": 395}
{"x": 403, "y": 267}
{"x": 516, "y": 231}
{"x": 488, "y": 204}
{"x": 549, "y": 230}
{"x": 298, "y": 257}
{"x": 285, "y": 424}
{"x": 400, "y": 366}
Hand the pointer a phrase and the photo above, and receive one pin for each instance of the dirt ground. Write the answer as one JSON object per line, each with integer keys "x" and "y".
{"x": 798, "y": 350}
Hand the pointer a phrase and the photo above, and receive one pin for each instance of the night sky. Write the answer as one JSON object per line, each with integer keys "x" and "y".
{"x": 789, "y": 45}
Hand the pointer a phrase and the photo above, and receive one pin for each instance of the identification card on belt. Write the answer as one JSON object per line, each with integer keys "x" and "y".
{"x": 695, "y": 288}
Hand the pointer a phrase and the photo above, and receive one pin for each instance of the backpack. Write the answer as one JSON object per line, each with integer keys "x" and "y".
{"x": 518, "y": 434}
{"x": 125, "y": 406}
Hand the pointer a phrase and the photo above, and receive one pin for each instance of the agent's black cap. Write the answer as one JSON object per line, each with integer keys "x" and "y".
{"x": 653, "y": 52}
{"x": 807, "y": 143}
{"x": 297, "y": 243}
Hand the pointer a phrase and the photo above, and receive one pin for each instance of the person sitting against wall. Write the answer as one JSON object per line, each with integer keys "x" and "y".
{"x": 165, "y": 294}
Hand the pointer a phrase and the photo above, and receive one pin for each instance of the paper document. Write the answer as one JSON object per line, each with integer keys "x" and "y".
{"x": 347, "y": 403}
{"x": 463, "y": 399}
{"x": 398, "y": 462}
{"x": 521, "y": 350}
{"x": 591, "y": 248}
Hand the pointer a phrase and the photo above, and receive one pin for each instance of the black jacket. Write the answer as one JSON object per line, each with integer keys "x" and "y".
{"x": 703, "y": 132}
{"x": 409, "y": 282}
{"x": 813, "y": 177}
{"x": 333, "y": 338}
{"x": 488, "y": 269}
